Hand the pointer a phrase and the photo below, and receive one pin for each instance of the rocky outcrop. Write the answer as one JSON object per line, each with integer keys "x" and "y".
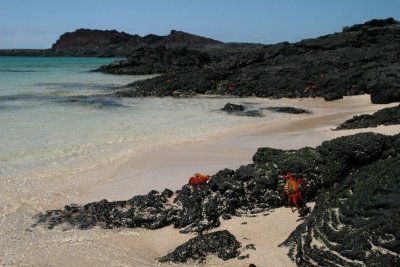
{"x": 221, "y": 243}
{"x": 250, "y": 189}
{"x": 386, "y": 116}
{"x": 184, "y": 38}
{"x": 361, "y": 59}
{"x": 354, "y": 223}
{"x": 158, "y": 59}
{"x": 111, "y": 43}
{"x": 229, "y": 107}
{"x": 91, "y": 39}
{"x": 354, "y": 180}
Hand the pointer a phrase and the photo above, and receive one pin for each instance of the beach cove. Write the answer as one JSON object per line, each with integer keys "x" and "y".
{"x": 86, "y": 156}
{"x": 158, "y": 168}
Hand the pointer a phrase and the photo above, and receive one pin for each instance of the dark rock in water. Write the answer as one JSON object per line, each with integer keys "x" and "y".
{"x": 222, "y": 243}
{"x": 240, "y": 110}
{"x": 233, "y": 108}
{"x": 291, "y": 110}
{"x": 92, "y": 101}
{"x": 355, "y": 223}
{"x": 386, "y": 116}
{"x": 253, "y": 113}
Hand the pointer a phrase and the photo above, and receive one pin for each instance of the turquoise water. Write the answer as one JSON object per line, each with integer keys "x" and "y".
{"x": 57, "y": 117}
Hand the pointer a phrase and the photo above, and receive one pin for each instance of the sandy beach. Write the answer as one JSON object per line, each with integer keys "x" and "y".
{"x": 170, "y": 167}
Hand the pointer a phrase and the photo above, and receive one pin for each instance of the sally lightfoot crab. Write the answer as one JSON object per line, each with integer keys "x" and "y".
{"x": 292, "y": 190}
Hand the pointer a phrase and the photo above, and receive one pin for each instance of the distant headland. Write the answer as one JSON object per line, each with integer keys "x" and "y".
{"x": 110, "y": 43}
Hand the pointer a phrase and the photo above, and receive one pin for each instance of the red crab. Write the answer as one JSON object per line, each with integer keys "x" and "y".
{"x": 199, "y": 179}
{"x": 292, "y": 189}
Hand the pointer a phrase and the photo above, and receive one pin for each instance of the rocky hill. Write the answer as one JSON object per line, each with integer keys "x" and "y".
{"x": 111, "y": 43}
{"x": 364, "y": 58}
{"x": 90, "y": 39}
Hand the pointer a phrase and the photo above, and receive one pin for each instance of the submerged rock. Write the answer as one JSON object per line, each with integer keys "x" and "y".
{"x": 221, "y": 243}
{"x": 291, "y": 110}
{"x": 233, "y": 108}
{"x": 241, "y": 110}
{"x": 386, "y": 116}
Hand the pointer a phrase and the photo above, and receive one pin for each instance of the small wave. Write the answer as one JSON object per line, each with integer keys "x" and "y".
{"x": 99, "y": 102}
{"x": 78, "y": 86}
{"x": 17, "y": 97}
{"x": 11, "y": 70}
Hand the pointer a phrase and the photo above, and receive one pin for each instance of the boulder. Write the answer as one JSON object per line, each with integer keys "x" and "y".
{"x": 221, "y": 243}
{"x": 233, "y": 108}
{"x": 241, "y": 110}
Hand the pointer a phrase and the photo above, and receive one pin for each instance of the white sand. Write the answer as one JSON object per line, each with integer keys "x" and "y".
{"x": 171, "y": 167}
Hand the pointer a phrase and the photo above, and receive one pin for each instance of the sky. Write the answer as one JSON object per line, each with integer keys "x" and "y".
{"x": 39, "y": 23}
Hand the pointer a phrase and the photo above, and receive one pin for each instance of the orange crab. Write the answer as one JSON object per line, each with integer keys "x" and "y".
{"x": 292, "y": 190}
{"x": 199, "y": 179}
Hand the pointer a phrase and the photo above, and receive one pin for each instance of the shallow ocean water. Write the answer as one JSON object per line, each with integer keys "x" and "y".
{"x": 57, "y": 117}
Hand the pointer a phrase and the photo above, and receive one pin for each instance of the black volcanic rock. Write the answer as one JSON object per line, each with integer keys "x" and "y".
{"x": 229, "y": 107}
{"x": 355, "y": 223}
{"x": 157, "y": 60}
{"x": 386, "y": 116}
{"x": 354, "y": 180}
{"x": 250, "y": 189}
{"x": 387, "y": 94}
{"x": 291, "y": 110}
{"x": 111, "y": 43}
{"x": 86, "y": 38}
{"x": 221, "y": 243}
{"x": 180, "y": 37}
{"x": 361, "y": 59}
{"x": 241, "y": 110}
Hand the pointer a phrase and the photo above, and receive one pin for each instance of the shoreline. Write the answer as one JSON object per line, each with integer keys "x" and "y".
{"x": 170, "y": 166}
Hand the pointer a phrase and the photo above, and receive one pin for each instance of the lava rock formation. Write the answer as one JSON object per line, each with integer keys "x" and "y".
{"x": 221, "y": 243}
{"x": 386, "y": 116}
